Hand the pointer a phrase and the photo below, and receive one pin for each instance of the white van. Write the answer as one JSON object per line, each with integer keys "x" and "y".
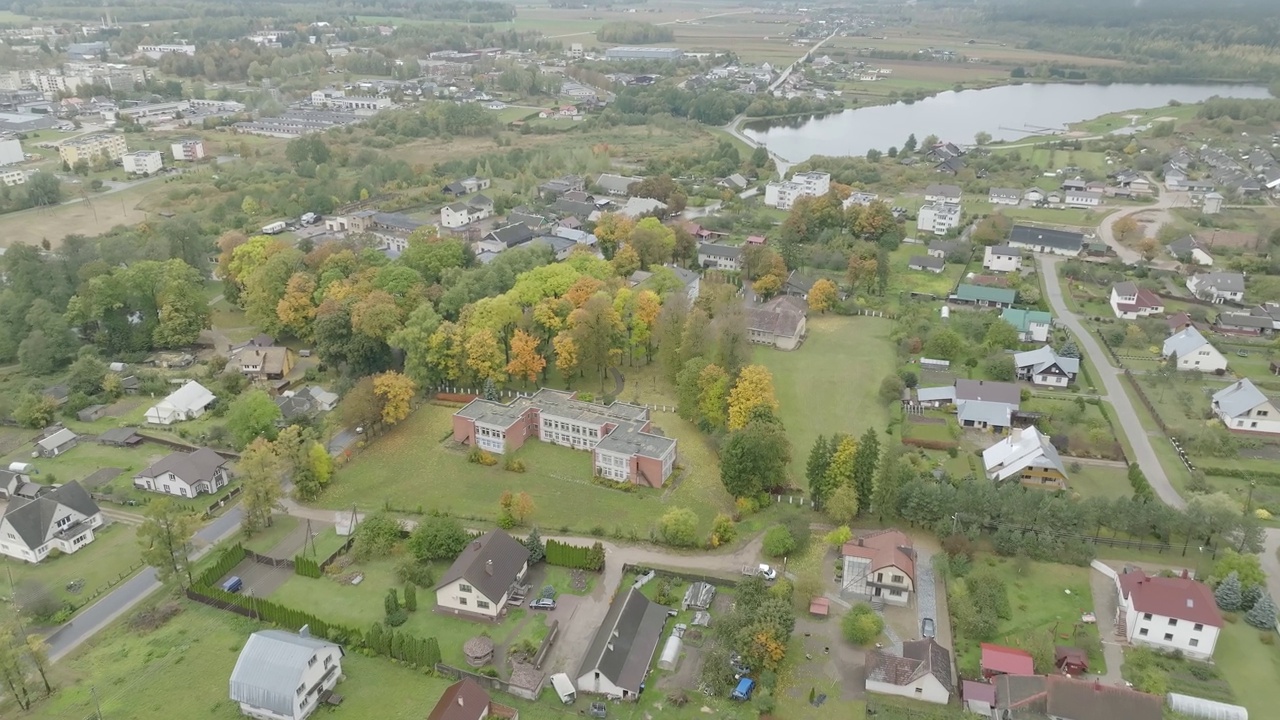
{"x": 564, "y": 688}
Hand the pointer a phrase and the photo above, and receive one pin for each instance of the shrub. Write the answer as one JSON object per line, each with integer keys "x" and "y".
{"x": 515, "y": 465}
{"x": 678, "y": 527}
{"x": 861, "y": 625}
{"x": 778, "y": 542}
{"x": 481, "y": 457}
{"x": 723, "y": 530}
{"x": 397, "y": 618}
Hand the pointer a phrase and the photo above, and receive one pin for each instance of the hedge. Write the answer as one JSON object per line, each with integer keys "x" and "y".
{"x": 306, "y": 567}
{"x": 578, "y": 557}
{"x": 930, "y": 444}
{"x": 1267, "y": 477}
{"x": 227, "y": 559}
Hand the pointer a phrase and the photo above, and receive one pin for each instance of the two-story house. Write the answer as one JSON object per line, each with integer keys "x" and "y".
{"x": 1193, "y": 352}
{"x": 1130, "y": 302}
{"x": 715, "y": 256}
{"x": 1168, "y": 613}
{"x": 1002, "y": 258}
{"x": 284, "y": 676}
{"x": 62, "y": 518}
{"x": 1188, "y": 249}
{"x": 1242, "y": 406}
{"x": 1026, "y": 456}
{"x": 1032, "y": 325}
{"x": 185, "y": 474}
{"x": 455, "y": 215}
{"x": 940, "y": 193}
{"x": 480, "y": 580}
{"x": 1004, "y": 196}
{"x": 1043, "y": 366}
{"x": 1217, "y": 287}
{"x": 880, "y": 565}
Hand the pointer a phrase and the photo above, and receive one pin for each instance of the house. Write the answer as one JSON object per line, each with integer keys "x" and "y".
{"x": 467, "y": 700}
{"x": 720, "y": 257}
{"x": 734, "y": 182}
{"x": 936, "y": 396}
{"x": 263, "y": 363}
{"x": 634, "y": 207}
{"x": 480, "y": 580}
{"x": 284, "y": 676}
{"x": 979, "y": 697}
{"x": 562, "y": 185}
{"x": 1188, "y": 249}
{"x": 1178, "y": 322}
{"x": 185, "y": 474}
{"x": 1171, "y": 614}
{"x": 1217, "y": 287}
{"x": 620, "y": 436}
{"x": 528, "y": 219}
{"x": 57, "y": 443}
{"x": 186, "y": 403}
{"x": 619, "y": 656}
{"x": 880, "y": 565}
{"x": 755, "y": 240}
{"x": 1242, "y": 406}
{"x": 458, "y": 214}
{"x": 783, "y": 195}
{"x": 989, "y": 391}
{"x": 938, "y": 218}
{"x": 92, "y": 413}
{"x": 947, "y": 248}
{"x": 1028, "y": 456}
{"x": 1070, "y": 660}
{"x": 1255, "y": 322}
{"x": 797, "y": 285}
{"x": 306, "y": 402}
{"x": 1004, "y": 196}
{"x": 927, "y": 263}
{"x": 982, "y": 415}
{"x": 1082, "y": 198}
{"x": 984, "y": 296}
{"x": 120, "y": 437}
{"x": 62, "y": 518}
{"x": 1043, "y": 366}
{"x": 1002, "y": 258}
{"x": 504, "y": 238}
{"x": 780, "y": 322}
{"x": 952, "y": 166}
{"x": 938, "y": 193}
{"x": 59, "y": 394}
{"x": 560, "y": 247}
{"x": 1044, "y": 240}
{"x": 1076, "y": 184}
{"x": 1032, "y": 325}
{"x": 1193, "y": 352}
{"x": 619, "y": 185}
{"x": 1054, "y": 697}
{"x": 1034, "y": 195}
{"x": 16, "y": 484}
{"x": 922, "y": 672}
{"x": 1002, "y": 660}
{"x": 1130, "y": 302}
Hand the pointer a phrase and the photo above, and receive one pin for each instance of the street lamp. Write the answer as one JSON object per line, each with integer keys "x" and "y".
{"x": 1249, "y": 503}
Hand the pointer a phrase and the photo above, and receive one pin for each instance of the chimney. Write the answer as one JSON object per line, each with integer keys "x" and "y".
{"x": 460, "y": 703}
{"x": 1015, "y": 434}
{"x": 1191, "y": 603}
{"x": 1185, "y": 574}
{"x": 488, "y": 566}
{"x": 305, "y": 631}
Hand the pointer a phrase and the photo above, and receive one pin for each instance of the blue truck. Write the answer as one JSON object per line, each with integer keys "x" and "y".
{"x": 743, "y": 691}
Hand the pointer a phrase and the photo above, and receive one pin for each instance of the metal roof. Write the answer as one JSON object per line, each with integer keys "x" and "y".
{"x": 1184, "y": 343}
{"x": 270, "y": 668}
{"x": 1238, "y": 398}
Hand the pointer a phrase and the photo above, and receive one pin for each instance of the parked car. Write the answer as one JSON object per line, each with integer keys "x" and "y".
{"x": 543, "y": 604}
{"x": 743, "y": 691}
{"x": 927, "y": 628}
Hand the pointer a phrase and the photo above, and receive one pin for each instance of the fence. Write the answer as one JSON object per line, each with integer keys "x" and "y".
{"x": 798, "y": 500}
{"x": 268, "y": 560}
{"x": 492, "y": 683}
{"x": 220, "y": 605}
{"x": 177, "y": 445}
{"x": 545, "y": 648}
{"x": 342, "y": 550}
{"x": 727, "y": 579}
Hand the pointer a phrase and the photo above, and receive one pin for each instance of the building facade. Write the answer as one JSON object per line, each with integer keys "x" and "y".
{"x": 188, "y": 150}
{"x": 142, "y": 162}
{"x": 91, "y": 148}
{"x": 938, "y": 218}
{"x": 1169, "y": 614}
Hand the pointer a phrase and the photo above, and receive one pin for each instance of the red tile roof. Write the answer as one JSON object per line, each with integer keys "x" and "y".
{"x": 463, "y": 700}
{"x": 1175, "y": 597}
{"x": 886, "y": 548}
{"x": 1007, "y": 660}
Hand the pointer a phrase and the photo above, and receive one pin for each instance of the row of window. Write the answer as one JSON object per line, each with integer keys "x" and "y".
{"x": 1168, "y": 637}
{"x": 482, "y": 604}
{"x": 575, "y": 428}
{"x": 489, "y": 432}
{"x": 1173, "y": 622}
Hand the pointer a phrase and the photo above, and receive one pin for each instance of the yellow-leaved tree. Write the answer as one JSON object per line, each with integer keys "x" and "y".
{"x": 753, "y": 388}
{"x": 396, "y": 391}
{"x": 822, "y": 296}
{"x": 526, "y": 361}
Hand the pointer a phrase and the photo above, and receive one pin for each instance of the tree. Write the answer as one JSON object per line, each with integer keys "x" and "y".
{"x": 625, "y": 261}
{"x": 982, "y": 138}
{"x": 252, "y": 415}
{"x": 816, "y": 471}
{"x": 910, "y": 145}
{"x": 713, "y": 396}
{"x": 654, "y": 242}
{"x": 1149, "y": 248}
{"x": 376, "y": 537}
{"x": 438, "y": 538}
{"x": 1245, "y": 566}
{"x": 566, "y": 354}
{"x": 864, "y": 466}
{"x": 260, "y": 467}
{"x": 519, "y": 507}
{"x": 396, "y": 391}
{"x": 842, "y": 506}
{"x": 38, "y": 653}
{"x": 35, "y": 410}
{"x": 822, "y": 296}
{"x": 838, "y": 537}
{"x": 410, "y": 597}
{"x": 1263, "y": 614}
{"x": 861, "y": 625}
{"x": 86, "y": 374}
{"x": 597, "y": 329}
{"x": 537, "y": 548}
{"x": 891, "y": 476}
{"x": 844, "y": 450}
{"x": 165, "y": 536}
{"x": 891, "y": 390}
{"x": 11, "y": 667}
{"x": 778, "y": 542}
{"x": 484, "y": 355}
{"x": 945, "y": 344}
{"x": 679, "y": 527}
{"x": 611, "y": 230}
{"x": 526, "y": 361}
{"x": 1228, "y": 593}
{"x": 861, "y": 270}
{"x": 361, "y": 407}
{"x": 1126, "y": 228}
{"x": 754, "y": 388}
{"x": 1070, "y": 349}
{"x": 754, "y": 459}
{"x": 1002, "y": 336}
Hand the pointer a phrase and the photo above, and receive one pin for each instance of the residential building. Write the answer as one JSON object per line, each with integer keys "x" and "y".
{"x": 1032, "y": 325}
{"x": 921, "y": 672}
{"x": 983, "y": 296}
{"x": 16, "y": 484}
{"x": 714, "y": 256}
{"x": 1004, "y": 196}
{"x": 467, "y": 700}
{"x": 799, "y": 286}
{"x": 263, "y": 363}
{"x": 1034, "y": 196}
{"x": 151, "y": 113}
{"x": 1242, "y": 406}
{"x": 1171, "y": 614}
{"x": 91, "y": 148}
{"x": 861, "y": 199}
{"x": 880, "y": 566}
{"x": 1043, "y": 240}
{"x": 635, "y": 207}
{"x": 938, "y": 193}
{"x": 482, "y": 577}
{"x": 120, "y": 437}
{"x": 187, "y": 150}
{"x": 1070, "y": 660}
{"x": 185, "y": 474}
{"x": 1193, "y": 352}
{"x": 1188, "y": 249}
{"x": 1043, "y": 366}
{"x": 947, "y": 248}
{"x": 1055, "y": 697}
{"x": 466, "y": 186}
{"x": 186, "y": 403}
{"x": 620, "y": 435}
{"x": 1002, "y": 258}
{"x": 938, "y": 218}
{"x": 1213, "y": 203}
{"x": 1028, "y": 457}
{"x": 504, "y": 238}
{"x": 62, "y": 518}
{"x": 9, "y": 178}
{"x": 619, "y": 185}
{"x": 1001, "y": 660}
{"x": 979, "y": 697}
{"x": 1217, "y": 287}
{"x": 780, "y": 322}
{"x": 155, "y": 51}
{"x": 619, "y": 656}
{"x": 927, "y": 263}
{"x": 56, "y": 443}
{"x": 628, "y": 52}
{"x": 284, "y": 676}
{"x": 11, "y": 152}
{"x": 455, "y": 215}
{"x": 1130, "y": 302}
{"x": 306, "y": 402}
{"x": 783, "y": 195}
{"x": 982, "y": 415}
{"x": 1082, "y": 198}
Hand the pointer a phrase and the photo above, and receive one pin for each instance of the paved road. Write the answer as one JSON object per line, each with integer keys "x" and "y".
{"x": 341, "y": 441}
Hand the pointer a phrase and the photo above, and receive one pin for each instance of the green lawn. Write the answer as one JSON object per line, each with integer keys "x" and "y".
{"x": 1249, "y": 666}
{"x": 88, "y": 456}
{"x": 903, "y": 280}
{"x": 110, "y": 558}
{"x": 262, "y": 542}
{"x": 1054, "y": 216}
{"x": 1098, "y": 481}
{"x": 829, "y": 384}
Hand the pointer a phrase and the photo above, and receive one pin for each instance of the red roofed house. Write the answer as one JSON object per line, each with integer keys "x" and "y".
{"x": 755, "y": 240}
{"x": 1130, "y": 302}
{"x": 1062, "y": 698}
{"x": 1070, "y": 660}
{"x": 979, "y": 697}
{"x": 1178, "y": 323}
{"x": 1001, "y": 660}
{"x": 466, "y": 700}
{"x": 880, "y": 565}
{"x": 1168, "y": 613}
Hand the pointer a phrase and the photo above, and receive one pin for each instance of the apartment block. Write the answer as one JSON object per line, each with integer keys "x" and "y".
{"x": 91, "y": 147}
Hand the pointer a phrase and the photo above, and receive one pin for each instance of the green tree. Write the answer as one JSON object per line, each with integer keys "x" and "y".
{"x": 842, "y": 506}
{"x": 86, "y": 374}
{"x": 755, "y": 458}
{"x": 260, "y": 468}
{"x": 1246, "y": 567}
{"x": 165, "y": 536}
{"x": 1263, "y": 614}
{"x": 679, "y": 527}
{"x": 861, "y": 625}
{"x": 778, "y": 542}
{"x": 438, "y": 538}
{"x": 816, "y": 471}
{"x": 1228, "y": 593}
{"x": 865, "y": 459}
{"x": 375, "y": 537}
{"x": 252, "y": 415}
{"x": 1002, "y": 336}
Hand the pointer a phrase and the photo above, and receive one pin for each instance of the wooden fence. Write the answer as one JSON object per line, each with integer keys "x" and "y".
{"x": 268, "y": 560}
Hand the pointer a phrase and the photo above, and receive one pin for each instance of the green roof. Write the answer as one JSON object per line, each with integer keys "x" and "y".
{"x": 1023, "y": 319}
{"x": 979, "y": 293}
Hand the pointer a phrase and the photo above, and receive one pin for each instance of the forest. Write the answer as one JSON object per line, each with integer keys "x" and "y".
{"x": 633, "y": 33}
{"x": 285, "y": 11}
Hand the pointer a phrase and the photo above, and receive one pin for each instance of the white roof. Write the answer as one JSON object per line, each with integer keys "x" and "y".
{"x": 270, "y": 667}
{"x": 992, "y": 413}
{"x": 934, "y": 394}
{"x": 1184, "y": 343}
{"x": 1238, "y": 398}
{"x": 1029, "y": 447}
{"x": 1043, "y": 357}
{"x": 57, "y": 439}
{"x": 191, "y": 396}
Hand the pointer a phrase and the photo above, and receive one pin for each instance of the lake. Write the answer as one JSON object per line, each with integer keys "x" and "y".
{"x": 1008, "y": 112}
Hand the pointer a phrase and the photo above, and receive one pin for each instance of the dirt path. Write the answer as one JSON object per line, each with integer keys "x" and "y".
{"x": 1156, "y": 215}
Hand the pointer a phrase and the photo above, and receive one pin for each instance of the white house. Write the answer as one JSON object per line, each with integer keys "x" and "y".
{"x": 142, "y": 162}
{"x": 921, "y": 672}
{"x": 880, "y": 566}
{"x": 1026, "y": 456}
{"x": 1046, "y": 240}
{"x": 1242, "y": 406}
{"x": 938, "y": 193}
{"x": 783, "y": 195}
{"x": 63, "y": 518}
{"x": 938, "y": 218}
{"x": 457, "y": 214}
{"x": 480, "y": 579}
{"x": 1002, "y": 258}
{"x": 1193, "y": 351}
{"x": 284, "y": 676}
{"x": 186, "y": 403}
{"x": 1004, "y": 196}
{"x": 1082, "y": 198}
{"x": 1217, "y": 287}
{"x": 720, "y": 257}
{"x": 1169, "y": 614}
{"x": 185, "y": 474}
{"x": 1032, "y": 325}
{"x": 1043, "y": 366}
{"x": 619, "y": 656}
{"x": 1189, "y": 249}
{"x": 1130, "y": 302}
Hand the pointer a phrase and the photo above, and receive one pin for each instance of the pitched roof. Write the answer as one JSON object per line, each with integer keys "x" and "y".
{"x": 1091, "y": 700}
{"x": 189, "y": 467}
{"x": 616, "y": 183}
{"x": 57, "y": 439}
{"x": 1024, "y": 319}
{"x": 637, "y": 206}
{"x": 1178, "y": 321}
{"x": 980, "y": 691}
{"x": 989, "y": 390}
{"x": 979, "y": 411}
{"x": 1043, "y": 358}
{"x": 927, "y": 262}
{"x": 1023, "y": 448}
{"x": 1221, "y": 281}
{"x": 32, "y": 519}
{"x": 934, "y": 394}
{"x": 490, "y": 564}
{"x": 1184, "y": 343}
{"x": 777, "y": 317}
{"x": 463, "y": 700}
{"x": 1184, "y": 245}
{"x": 1007, "y": 660}
{"x": 191, "y": 396}
{"x": 1172, "y": 597}
{"x": 732, "y": 252}
{"x": 1005, "y": 193}
{"x": 979, "y": 293}
{"x": 625, "y": 643}
{"x": 1144, "y": 298}
{"x": 270, "y": 668}
{"x": 1034, "y": 236}
{"x": 1005, "y": 250}
{"x": 1238, "y": 398}
{"x": 511, "y": 235}
{"x": 885, "y": 548}
{"x": 118, "y": 435}
{"x": 941, "y": 190}
{"x": 919, "y": 658}
{"x": 1245, "y": 320}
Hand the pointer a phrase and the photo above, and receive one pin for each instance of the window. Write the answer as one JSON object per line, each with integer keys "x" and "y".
{"x": 1195, "y": 642}
{"x": 312, "y": 661}
{"x": 462, "y": 601}
{"x": 1173, "y": 622}
{"x": 1198, "y": 627}
{"x": 464, "y": 588}
{"x": 1253, "y": 424}
{"x": 1146, "y": 616}
{"x": 1143, "y": 632}
{"x": 1261, "y": 413}
{"x": 898, "y": 579}
{"x": 328, "y": 660}
{"x": 483, "y": 605}
{"x": 301, "y": 688}
{"x": 895, "y": 592}
{"x": 1168, "y": 637}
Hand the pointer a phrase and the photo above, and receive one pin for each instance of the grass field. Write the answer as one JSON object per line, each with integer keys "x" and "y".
{"x": 88, "y": 218}
{"x": 1250, "y": 667}
{"x": 86, "y": 457}
{"x": 1099, "y": 481}
{"x": 829, "y": 384}
{"x": 902, "y": 279}
{"x": 1075, "y": 217}
{"x": 113, "y": 555}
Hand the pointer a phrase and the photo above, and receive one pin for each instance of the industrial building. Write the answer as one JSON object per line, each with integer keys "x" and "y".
{"x": 627, "y": 52}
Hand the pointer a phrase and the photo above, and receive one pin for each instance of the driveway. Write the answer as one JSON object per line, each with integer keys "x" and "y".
{"x": 1104, "y": 607}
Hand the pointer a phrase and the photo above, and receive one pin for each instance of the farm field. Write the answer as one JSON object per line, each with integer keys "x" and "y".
{"x": 90, "y": 217}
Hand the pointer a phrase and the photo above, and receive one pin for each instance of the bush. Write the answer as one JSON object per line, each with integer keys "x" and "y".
{"x": 861, "y": 625}
{"x": 678, "y": 527}
{"x": 481, "y": 457}
{"x": 515, "y": 465}
{"x": 410, "y": 571}
{"x": 723, "y": 530}
{"x": 397, "y": 618}
{"x": 778, "y": 542}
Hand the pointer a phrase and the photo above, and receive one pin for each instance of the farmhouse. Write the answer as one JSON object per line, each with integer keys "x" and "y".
{"x": 983, "y": 415}
{"x": 1034, "y": 697}
{"x": 620, "y": 436}
{"x": 618, "y": 185}
{"x": 56, "y": 443}
{"x": 618, "y": 658}
{"x": 185, "y": 474}
{"x": 1217, "y": 287}
{"x": 1043, "y": 366}
{"x": 186, "y": 403}
{"x": 922, "y": 672}
{"x": 1002, "y": 258}
{"x": 880, "y": 565}
{"x": 1168, "y": 613}
{"x": 1193, "y": 352}
{"x": 1242, "y": 406}
{"x": 1130, "y": 302}
{"x": 1043, "y": 240}
{"x": 779, "y": 322}
{"x": 284, "y": 676}
{"x": 1028, "y": 456}
{"x": 479, "y": 581}
{"x": 1082, "y": 198}
{"x": 62, "y": 518}
{"x": 945, "y": 248}
{"x": 1032, "y": 325}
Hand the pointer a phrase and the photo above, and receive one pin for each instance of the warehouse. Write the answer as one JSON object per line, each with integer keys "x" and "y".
{"x": 642, "y": 53}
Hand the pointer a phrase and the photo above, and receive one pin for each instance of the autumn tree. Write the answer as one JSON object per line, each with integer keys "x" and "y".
{"x": 713, "y": 396}
{"x": 260, "y": 467}
{"x": 484, "y": 355}
{"x": 515, "y": 508}
{"x": 165, "y": 536}
{"x": 842, "y": 506}
{"x": 861, "y": 270}
{"x": 611, "y": 231}
{"x": 361, "y": 407}
{"x": 1126, "y": 228}
{"x": 566, "y": 349}
{"x": 297, "y": 308}
{"x": 526, "y": 361}
{"x": 753, "y": 388}
{"x": 823, "y": 295}
{"x": 596, "y": 330}
{"x": 395, "y": 391}
{"x": 625, "y": 261}
{"x": 653, "y": 242}
{"x": 840, "y": 469}
{"x": 767, "y": 286}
